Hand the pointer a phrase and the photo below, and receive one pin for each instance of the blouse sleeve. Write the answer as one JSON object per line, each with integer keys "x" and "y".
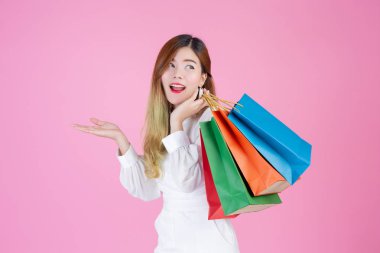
{"x": 185, "y": 158}
{"x": 133, "y": 178}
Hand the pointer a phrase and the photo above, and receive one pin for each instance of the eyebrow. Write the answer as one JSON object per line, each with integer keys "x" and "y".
{"x": 186, "y": 60}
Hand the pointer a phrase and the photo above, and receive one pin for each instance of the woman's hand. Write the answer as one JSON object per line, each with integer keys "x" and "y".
{"x": 188, "y": 108}
{"x": 107, "y": 130}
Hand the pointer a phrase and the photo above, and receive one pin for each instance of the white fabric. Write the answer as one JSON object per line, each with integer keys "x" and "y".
{"x": 182, "y": 225}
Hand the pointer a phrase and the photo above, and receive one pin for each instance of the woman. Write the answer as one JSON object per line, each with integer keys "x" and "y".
{"x": 172, "y": 161}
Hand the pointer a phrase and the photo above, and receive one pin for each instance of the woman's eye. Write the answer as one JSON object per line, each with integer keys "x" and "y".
{"x": 172, "y": 65}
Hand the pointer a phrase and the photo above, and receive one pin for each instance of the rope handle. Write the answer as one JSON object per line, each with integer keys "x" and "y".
{"x": 215, "y": 103}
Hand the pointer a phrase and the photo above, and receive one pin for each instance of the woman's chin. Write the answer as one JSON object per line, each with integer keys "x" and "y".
{"x": 176, "y": 102}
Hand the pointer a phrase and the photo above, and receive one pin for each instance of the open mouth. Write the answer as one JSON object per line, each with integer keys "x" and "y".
{"x": 177, "y": 88}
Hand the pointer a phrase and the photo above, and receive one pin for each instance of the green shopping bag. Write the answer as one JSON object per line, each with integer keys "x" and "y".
{"x": 234, "y": 193}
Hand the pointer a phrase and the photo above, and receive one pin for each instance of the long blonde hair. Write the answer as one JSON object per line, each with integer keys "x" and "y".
{"x": 157, "y": 119}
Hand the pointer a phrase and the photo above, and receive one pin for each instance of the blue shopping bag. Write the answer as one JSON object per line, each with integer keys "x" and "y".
{"x": 287, "y": 152}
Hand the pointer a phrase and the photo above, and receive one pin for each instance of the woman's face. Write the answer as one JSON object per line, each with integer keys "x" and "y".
{"x": 183, "y": 76}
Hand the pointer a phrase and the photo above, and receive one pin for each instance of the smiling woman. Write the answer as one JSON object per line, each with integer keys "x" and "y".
{"x": 183, "y": 61}
{"x": 172, "y": 161}
{"x": 172, "y": 158}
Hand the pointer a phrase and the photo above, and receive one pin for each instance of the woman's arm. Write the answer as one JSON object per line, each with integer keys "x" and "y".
{"x": 132, "y": 175}
{"x": 183, "y": 161}
{"x": 185, "y": 158}
{"x": 123, "y": 144}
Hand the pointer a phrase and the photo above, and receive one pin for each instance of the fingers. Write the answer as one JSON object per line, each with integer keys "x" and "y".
{"x": 204, "y": 103}
{"x": 201, "y": 103}
{"x": 84, "y": 130}
{"x": 97, "y": 122}
{"x": 201, "y": 92}
{"x": 95, "y": 130}
{"x": 80, "y": 126}
{"x": 88, "y": 129}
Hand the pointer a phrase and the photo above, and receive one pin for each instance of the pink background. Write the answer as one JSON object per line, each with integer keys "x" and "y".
{"x": 313, "y": 64}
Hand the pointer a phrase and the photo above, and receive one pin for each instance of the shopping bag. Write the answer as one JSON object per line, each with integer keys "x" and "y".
{"x": 286, "y": 151}
{"x": 261, "y": 177}
{"x": 215, "y": 207}
{"x": 234, "y": 193}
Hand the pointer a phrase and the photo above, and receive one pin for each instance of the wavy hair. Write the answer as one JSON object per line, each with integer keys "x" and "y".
{"x": 157, "y": 119}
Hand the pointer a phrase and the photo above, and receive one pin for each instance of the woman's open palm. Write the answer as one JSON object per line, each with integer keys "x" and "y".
{"x": 101, "y": 128}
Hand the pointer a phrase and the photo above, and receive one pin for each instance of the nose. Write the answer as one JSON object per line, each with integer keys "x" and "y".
{"x": 177, "y": 74}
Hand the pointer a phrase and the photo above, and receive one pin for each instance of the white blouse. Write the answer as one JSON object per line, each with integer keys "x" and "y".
{"x": 182, "y": 225}
{"x": 182, "y": 167}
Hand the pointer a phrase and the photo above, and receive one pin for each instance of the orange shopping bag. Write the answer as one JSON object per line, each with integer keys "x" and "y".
{"x": 261, "y": 177}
